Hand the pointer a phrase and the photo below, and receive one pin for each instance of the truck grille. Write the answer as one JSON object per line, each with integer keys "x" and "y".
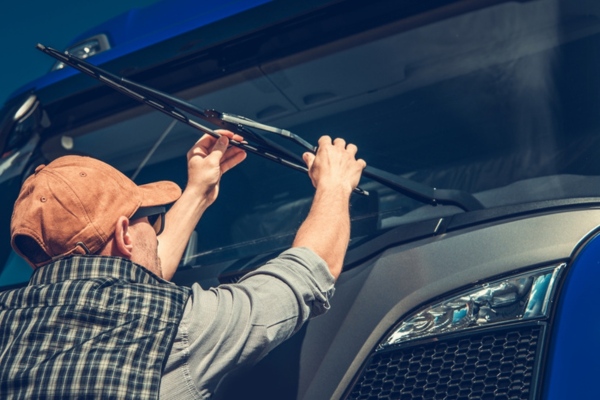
{"x": 496, "y": 364}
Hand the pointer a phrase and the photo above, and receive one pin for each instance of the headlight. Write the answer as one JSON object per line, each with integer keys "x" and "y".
{"x": 516, "y": 298}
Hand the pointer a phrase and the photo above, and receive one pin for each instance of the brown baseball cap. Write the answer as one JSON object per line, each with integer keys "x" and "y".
{"x": 72, "y": 205}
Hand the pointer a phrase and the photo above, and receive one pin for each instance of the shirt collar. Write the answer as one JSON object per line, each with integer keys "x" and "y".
{"x": 91, "y": 266}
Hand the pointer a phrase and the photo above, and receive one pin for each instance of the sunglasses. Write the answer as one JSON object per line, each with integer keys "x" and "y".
{"x": 155, "y": 215}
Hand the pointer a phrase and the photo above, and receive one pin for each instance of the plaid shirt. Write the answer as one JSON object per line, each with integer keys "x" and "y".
{"x": 88, "y": 327}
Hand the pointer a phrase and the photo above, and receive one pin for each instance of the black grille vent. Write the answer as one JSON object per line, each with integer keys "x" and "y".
{"x": 492, "y": 365}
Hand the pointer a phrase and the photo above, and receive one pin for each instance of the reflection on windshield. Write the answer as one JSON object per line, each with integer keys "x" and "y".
{"x": 501, "y": 103}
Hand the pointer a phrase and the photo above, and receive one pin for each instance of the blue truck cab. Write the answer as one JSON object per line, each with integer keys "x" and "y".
{"x": 492, "y": 101}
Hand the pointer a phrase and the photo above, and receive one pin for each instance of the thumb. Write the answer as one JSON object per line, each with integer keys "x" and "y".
{"x": 308, "y": 158}
{"x": 219, "y": 148}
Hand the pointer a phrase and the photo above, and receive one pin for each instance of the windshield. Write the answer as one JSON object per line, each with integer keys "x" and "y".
{"x": 501, "y": 102}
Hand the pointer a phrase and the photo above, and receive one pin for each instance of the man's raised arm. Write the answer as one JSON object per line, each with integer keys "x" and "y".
{"x": 207, "y": 161}
{"x": 335, "y": 172}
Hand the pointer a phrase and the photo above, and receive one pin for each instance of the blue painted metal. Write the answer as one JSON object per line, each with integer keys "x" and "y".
{"x": 573, "y": 367}
{"x": 142, "y": 27}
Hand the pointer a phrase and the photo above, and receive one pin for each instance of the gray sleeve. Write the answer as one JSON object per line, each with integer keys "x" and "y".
{"x": 236, "y": 324}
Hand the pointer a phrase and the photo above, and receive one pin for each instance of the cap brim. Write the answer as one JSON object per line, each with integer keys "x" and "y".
{"x": 159, "y": 193}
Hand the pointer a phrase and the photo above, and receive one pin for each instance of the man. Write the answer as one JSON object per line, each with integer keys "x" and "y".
{"x": 100, "y": 320}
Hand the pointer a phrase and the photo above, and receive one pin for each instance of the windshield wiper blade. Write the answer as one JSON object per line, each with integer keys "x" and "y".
{"x": 175, "y": 108}
{"x": 266, "y": 148}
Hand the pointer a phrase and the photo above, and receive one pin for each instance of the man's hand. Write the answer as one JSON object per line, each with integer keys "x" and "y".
{"x": 335, "y": 172}
{"x": 208, "y": 160}
{"x": 334, "y": 165}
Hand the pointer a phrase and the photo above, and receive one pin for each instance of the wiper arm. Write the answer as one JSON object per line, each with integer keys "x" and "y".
{"x": 231, "y": 121}
{"x": 264, "y": 147}
{"x": 414, "y": 190}
{"x": 423, "y": 193}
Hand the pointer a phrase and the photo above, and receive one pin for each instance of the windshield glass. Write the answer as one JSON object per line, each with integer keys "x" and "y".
{"x": 501, "y": 102}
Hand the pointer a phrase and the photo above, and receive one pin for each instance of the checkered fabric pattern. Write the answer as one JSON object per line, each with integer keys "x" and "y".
{"x": 88, "y": 327}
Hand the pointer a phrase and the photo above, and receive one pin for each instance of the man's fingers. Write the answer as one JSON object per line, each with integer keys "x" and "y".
{"x": 207, "y": 142}
{"x": 352, "y": 149}
{"x": 309, "y": 158}
{"x": 204, "y": 144}
{"x": 233, "y": 156}
{"x": 229, "y": 134}
{"x": 324, "y": 140}
{"x": 219, "y": 148}
{"x": 339, "y": 142}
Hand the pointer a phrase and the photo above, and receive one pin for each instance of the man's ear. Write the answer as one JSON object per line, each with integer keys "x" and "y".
{"x": 123, "y": 240}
